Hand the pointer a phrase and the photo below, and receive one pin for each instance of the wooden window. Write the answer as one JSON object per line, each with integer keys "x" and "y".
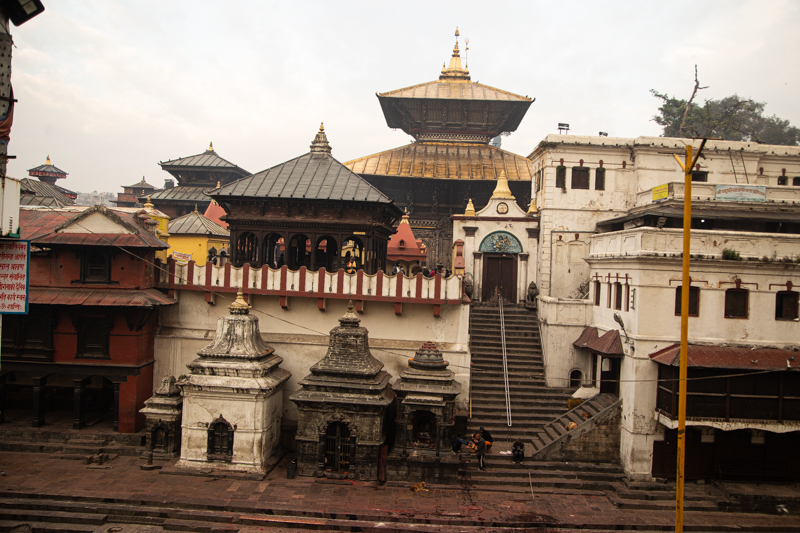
{"x": 94, "y": 334}
{"x": 694, "y": 300}
{"x": 786, "y": 305}
{"x": 782, "y": 180}
{"x": 701, "y": 176}
{"x": 561, "y": 177}
{"x": 600, "y": 179}
{"x": 96, "y": 267}
{"x": 627, "y": 297}
{"x": 597, "y": 286}
{"x": 580, "y": 177}
{"x": 618, "y": 296}
{"x": 796, "y": 182}
{"x": 736, "y": 303}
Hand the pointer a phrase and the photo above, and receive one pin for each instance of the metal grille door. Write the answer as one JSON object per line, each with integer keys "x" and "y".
{"x": 337, "y": 447}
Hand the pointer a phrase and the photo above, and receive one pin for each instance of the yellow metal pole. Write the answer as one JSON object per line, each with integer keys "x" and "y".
{"x": 686, "y": 281}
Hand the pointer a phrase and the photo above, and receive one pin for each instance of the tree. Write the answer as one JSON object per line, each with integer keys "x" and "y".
{"x": 732, "y": 118}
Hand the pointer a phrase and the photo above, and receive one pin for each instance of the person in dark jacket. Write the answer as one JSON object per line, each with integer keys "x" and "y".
{"x": 459, "y": 441}
{"x": 518, "y": 451}
{"x": 487, "y": 437}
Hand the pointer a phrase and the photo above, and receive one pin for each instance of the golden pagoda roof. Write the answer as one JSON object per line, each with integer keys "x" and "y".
{"x": 457, "y": 161}
{"x": 454, "y": 90}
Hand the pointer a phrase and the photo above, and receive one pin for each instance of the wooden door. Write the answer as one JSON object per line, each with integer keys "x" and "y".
{"x": 499, "y": 278}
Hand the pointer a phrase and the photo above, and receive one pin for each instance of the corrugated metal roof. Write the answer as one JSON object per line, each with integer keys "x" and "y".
{"x": 313, "y": 176}
{"x": 99, "y": 297}
{"x": 454, "y": 91}
{"x": 46, "y": 169}
{"x": 739, "y": 357}
{"x": 608, "y": 344}
{"x": 181, "y": 193}
{"x": 141, "y": 185}
{"x": 39, "y": 225}
{"x": 207, "y": 160}
{"x": 587, "y": 336}
{"x": 459, "y": 161}
{"x": 196, "y": 224}
{"x": 42, "y": 193}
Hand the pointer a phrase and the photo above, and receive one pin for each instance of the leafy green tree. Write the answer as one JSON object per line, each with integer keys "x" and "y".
{"x": 732, "y": 118}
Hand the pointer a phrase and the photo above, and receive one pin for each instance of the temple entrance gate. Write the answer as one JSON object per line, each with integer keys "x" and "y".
{"x": 499, "y": 277}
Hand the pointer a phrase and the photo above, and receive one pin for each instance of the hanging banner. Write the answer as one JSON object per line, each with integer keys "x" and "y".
{"x": 15, "y": 259}
{"x": 741, "y": 193}
{"x": 660, "y": 192}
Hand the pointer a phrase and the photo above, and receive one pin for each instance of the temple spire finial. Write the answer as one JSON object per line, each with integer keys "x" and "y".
{"x": 48, "y": 159}
{"x": 470, "y": 210}
{"x": 455, "y": 72}
{"x": 320, "y": 143}
{"x": 502, "y": 190}
{"x": 210, "y": 147}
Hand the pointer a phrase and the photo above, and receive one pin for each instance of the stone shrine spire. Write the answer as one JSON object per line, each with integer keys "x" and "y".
{"x": 320, "y": 143}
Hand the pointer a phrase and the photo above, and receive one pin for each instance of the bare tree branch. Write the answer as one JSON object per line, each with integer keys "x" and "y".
{"x": 689, "y": 103}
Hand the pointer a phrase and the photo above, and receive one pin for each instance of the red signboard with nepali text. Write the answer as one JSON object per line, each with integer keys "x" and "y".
{"x": 15, "y": 259}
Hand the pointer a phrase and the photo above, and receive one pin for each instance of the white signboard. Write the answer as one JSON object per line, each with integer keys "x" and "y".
{"x": 15, "y": 259}
{"x": 741, "y": 193}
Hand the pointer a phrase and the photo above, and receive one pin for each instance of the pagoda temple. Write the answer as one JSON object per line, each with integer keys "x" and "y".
{"x": 450, "y": 161}
{"x": 43, "y": 191}
{"x": 195, "y": 174}
{"x": 129, "y": 197}
{"x": 311, "y": 212}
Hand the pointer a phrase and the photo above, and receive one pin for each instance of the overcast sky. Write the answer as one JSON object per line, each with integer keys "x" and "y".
{"x": 110, "y": 88}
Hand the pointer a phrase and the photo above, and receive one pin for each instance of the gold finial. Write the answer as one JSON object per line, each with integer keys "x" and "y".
{"x": 195, "y": 208}
{"x": 532, "y": 208}
{"x": 321, "y": 126}
{"x": 48, "y": 159}
{"x": 320, "y": 143}
{"x": 239, "y": 306}
{"x": 502, "y": 190}
{"x": 210, "y": 147}
{"x": 457, "y": 34}
{"x": 454, "y": 71}
{"x": 470, "y": 211}
{"x": 218, "y": 184}
{"x": 148, "y": 204}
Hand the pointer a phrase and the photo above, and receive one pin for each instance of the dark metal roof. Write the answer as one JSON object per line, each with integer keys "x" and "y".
{"x": 41, "y": 227}
{"x": 208, "y": 160}
{"x": 739, "y": 357}
{"x": 313, "y": 176}
{"x": 195, "y": 223}
{"x": 41, "y": 193}
{"x": 99, "y": 297}
{"x": 46, "y": 170}
{"x": 181, "y": 193}
{"x": 460, "y": 161}
{"x": 608, "y": 344}
{"x": 141, "y": 185}
{"x": 588, "y": 335}
{"x": 764, "y": 211}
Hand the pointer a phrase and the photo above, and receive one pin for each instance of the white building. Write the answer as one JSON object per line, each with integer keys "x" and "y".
{"x": 611, "y": 241}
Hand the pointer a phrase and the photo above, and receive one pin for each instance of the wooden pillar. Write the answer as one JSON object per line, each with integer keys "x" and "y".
{"x": 79, "y": 402}
{"x": 116, "y": 406}
{"x": 39, "y": 384}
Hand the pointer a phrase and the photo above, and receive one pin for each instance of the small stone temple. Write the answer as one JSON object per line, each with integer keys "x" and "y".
{"x": 233, "y": 398}
{"x": 163, "y": 414}
{"x": 425, "y": 419}
{"x": 342, "y": 407}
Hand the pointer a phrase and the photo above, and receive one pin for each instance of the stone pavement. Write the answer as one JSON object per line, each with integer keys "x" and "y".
{"x": 122, "y": 481}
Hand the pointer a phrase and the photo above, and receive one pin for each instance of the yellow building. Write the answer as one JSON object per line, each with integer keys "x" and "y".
{"x": 194, "y": 235}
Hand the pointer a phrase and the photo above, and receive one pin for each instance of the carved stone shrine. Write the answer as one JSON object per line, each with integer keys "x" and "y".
{"x": 233, "y": 398}
{"x": 342, "y": 407}
{"x": 163, "y": 414}
{"x": 425, "y": 419}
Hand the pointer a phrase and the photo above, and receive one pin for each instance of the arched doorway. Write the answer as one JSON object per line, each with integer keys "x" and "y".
{"x": 298, "y": 252}
{"x": 499, "y": 278}
{"x": 246, "y": 248}
{"x": 326, "y": 253}
{"x": 273, "y": 249}
{"x": 353, "y": 247}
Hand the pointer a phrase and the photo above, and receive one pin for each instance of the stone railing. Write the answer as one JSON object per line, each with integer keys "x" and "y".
{"x": 707, "y": 191}
{"x": 647, "y": 241}
{"x": 303, "y": 283}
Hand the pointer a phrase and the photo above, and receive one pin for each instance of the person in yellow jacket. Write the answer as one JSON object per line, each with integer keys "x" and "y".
{"x": 351, "y": 266}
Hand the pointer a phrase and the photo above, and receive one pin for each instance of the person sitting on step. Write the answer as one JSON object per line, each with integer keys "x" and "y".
{"x": 518, "y": 451}
{"x": 485, "y": 435}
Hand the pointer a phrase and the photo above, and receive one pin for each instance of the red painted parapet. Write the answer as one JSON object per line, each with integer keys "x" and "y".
{"x": 359, "y": 287}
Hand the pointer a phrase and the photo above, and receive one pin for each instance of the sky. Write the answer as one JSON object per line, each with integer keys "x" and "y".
{"x": 109, "y": 89}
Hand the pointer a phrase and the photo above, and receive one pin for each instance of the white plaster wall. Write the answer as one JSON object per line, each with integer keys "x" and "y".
{"x": 561, "y": 322}
{"x": 300, "y": 335}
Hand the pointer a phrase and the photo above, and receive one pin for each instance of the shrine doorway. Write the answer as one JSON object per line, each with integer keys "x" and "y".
{"x": 499, "y": 278}
{"x": 338, "y": 447}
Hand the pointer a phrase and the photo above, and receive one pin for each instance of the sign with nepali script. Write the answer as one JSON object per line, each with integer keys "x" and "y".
{"x": 741, "y": 193}
{"x": 15, "y": 259}
{"x": 181, "y": 257}
{"x": 660, "y": 192}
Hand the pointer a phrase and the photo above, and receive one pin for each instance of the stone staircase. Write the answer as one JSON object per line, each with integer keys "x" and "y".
{"x": 533, "y": 403}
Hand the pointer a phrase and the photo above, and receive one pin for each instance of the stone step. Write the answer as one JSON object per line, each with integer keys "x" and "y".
{"x": 40, "y": 515}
